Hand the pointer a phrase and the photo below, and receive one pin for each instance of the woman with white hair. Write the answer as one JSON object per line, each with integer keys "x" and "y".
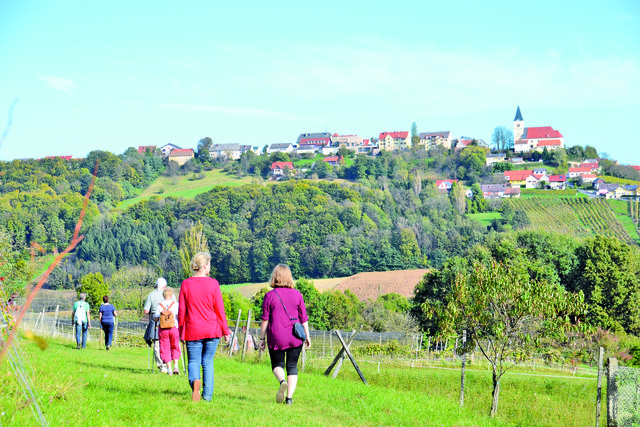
{"x": 151, "y": 334}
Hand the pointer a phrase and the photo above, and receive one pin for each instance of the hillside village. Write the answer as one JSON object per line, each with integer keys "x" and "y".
{"x": 528, "y": 146}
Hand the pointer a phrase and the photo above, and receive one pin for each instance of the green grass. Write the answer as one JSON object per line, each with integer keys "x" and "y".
{"x": 621, "y": 210}
{"x": 184, "y": 186}
{"x": 622, "y": 181}
{"x": 485, "y": 218}
{"x": 95, "y": 387}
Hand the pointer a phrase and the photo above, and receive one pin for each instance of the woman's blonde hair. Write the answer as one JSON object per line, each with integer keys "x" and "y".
{"x": 167, "y": 293}
{"x": 281, "y": 277}
{"x": 200, "y": 260}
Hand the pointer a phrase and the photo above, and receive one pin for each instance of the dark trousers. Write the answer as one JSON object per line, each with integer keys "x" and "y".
{"x": 108, "y": 333}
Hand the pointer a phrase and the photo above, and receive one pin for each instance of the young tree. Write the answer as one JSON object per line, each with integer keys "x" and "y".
{"x": 505, "y": 313}
{"x": 192, "y": 242}
{"x": 94, "y": 286}
{"x": 458, "y": 197}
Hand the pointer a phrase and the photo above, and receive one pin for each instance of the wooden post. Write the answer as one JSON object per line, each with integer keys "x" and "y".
{"x": 599, "y": 392}
{"x": 353, "y": 361}
{"x": 235, "y": 334}
{"x": 341, "y": 360}
{"x": 612, "y": 393}
{"x": 55, "y": 322}
{"x": 464, "y": 362}
{"x": 304, "y": 357}
{"x": 336, "y": 359}
{"x": 244, "y": 342}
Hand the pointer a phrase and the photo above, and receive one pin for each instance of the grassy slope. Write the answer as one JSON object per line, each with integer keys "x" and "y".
{"x": 621, "y": 209}
{"x": 93, "y": 387}
{"x": 183, "y": 186}
{"x": 485, "y": 218}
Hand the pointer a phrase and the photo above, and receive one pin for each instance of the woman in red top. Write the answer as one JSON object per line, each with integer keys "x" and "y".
{"x": 201, "y": 323}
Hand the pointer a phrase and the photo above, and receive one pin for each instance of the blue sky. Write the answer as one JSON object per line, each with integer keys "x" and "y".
{"x": 90, "y": 75}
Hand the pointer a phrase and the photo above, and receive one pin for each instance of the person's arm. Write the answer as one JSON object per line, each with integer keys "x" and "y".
{"x": 147, "y": 304}
{"x": 100, "y": 316}
{"x": 263, "y": 334}
{"x": 222, "y": 316}
{"x": 73, "y": 314}
{"x": 88, "y": 319}
{"x": 181, "y": 312}
{"x": 115, "y": 313}
{"x": 307, "y": 342}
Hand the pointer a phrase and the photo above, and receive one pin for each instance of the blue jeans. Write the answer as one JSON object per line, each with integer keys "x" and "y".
{"x": 108, "y": 333}
{"x": 81, "y": 333}
{"x": 200, "y": 353}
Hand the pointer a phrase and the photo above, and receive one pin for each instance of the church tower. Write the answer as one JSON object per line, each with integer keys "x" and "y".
{"x": 518, "y": 126}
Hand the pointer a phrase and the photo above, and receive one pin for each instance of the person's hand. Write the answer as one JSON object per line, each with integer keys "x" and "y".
{"x": 262, "y": 345}
{"x": 307, "y": 343}
{"x": 226, "y": 339}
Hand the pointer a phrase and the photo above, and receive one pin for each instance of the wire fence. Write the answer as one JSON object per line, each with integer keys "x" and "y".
{"x": 624, "y": 396}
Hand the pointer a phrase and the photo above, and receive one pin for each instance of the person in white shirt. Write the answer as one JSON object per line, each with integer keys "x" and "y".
{"x": 168, "y": 333}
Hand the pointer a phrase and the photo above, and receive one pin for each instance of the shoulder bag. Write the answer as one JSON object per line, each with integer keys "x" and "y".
{"x": 298, "y": 329}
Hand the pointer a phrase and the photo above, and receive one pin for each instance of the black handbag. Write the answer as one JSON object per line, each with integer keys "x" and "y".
{"x": 298, "y": 329}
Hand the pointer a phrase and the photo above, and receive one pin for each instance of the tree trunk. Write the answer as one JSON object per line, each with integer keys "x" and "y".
{"x": 496, "y": 392}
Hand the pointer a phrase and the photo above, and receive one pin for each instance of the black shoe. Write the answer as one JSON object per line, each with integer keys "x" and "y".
{"x": 78, "y": 347}
{"x": 288, "y": 401}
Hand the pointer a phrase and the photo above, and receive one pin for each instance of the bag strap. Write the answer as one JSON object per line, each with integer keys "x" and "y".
{"x": 285, "y": 307}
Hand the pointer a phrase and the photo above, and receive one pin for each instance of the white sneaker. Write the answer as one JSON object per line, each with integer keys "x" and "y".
{"x": 164, "y": 370}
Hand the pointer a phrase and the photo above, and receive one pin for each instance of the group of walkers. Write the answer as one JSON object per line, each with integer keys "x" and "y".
{"x": 198, "y": 319}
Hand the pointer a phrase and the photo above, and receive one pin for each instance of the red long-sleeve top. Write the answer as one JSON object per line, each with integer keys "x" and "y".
{"x": 201, "y": 310}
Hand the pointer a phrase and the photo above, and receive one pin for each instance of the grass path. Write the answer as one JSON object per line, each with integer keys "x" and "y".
{"x": 99, "y": 388}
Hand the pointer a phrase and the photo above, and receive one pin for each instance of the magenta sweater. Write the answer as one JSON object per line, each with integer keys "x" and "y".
{"x": 280, "y": 328}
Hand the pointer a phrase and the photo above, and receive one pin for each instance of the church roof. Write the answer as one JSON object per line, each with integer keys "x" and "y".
{"x": 518, "y": 115}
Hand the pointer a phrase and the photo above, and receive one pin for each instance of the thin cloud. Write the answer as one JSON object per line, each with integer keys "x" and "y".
{"x": 59, "y": 83}
{"x": 203, "y": 108}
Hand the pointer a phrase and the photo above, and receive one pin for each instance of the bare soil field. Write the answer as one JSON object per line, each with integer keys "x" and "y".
{"x": 363, "y": 285}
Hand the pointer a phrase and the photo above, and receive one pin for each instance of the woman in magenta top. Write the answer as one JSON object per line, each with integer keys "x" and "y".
{"x": 201, "y": 323}
{"x": 277, "y": 328}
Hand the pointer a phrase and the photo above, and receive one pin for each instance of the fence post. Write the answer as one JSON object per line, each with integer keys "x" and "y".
{"x": 599, "y": 392}
{"x": 55, "y": 322}
{"x": 464, "y": 362}
{"x": 235, "y": 334}
{"x": 612, "y": 393}
{"x": 115, "y": 331}
{"x": 244, "y": 342}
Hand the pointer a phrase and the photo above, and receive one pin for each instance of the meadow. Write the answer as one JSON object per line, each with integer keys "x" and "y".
{"x": 186, "y": 186}
{"x": 96, "y": 387}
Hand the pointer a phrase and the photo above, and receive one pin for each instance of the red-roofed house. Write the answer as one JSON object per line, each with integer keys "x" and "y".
{"x": 576, "y": 172}
{"x": 67, "y": 158}
{"x": 142, "y": 149}
{"x": 332, "y": 160}
{"x": 277, "y": 168}
{"x": 445, "y": 184}
{"x": 593, "y": 166}
{"x": 512, "y": 192}
{"x": 517, "y": 178}
{"x": 181, "y": 155}
{"x": 391, "y": 141}
{"x": 636, "y": 168}
{"x": 557, "y": 182}
{"x": 588, "y": 177}
{"x": 534, "y": 138}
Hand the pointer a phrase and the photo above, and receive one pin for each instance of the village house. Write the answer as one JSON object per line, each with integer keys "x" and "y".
{"x": 631, "y": 190}
{"x": 445, "y": 184}
{"x": 512, "y": 192}
{"x": 539, "y": 171}
{"x": 67, "y": 158}
{"x": 278, "y": 168}
{"x": 609, "y": 191}
{"x": 283, "y": 148}
{"x": 367, "y": 147}
{"x": 576, "y": 172}
{"x": 534, "y": 138}
{"x": 142, "y": 149}
{"x": 181, "y": 155}
{"x": 431, "y": 139}
{"x": 231, "y": 151}
{"x": 557, "y": 182}
{"x": 636, "y": 168}
{"x": 517, "y": 178}
{"x": 166, "y": 149}
{"x": 390, "y": 141}
{"x": 495, "y": 158}
{"x": 493, "y": 191}
{"x": 516, "y": 160}
{"x": 587, "y": 178}
{"x": 466, "y": 141}
{"x": 591, "y": 165}
{"x": 332, "y": 160}
{"x": 349, "y": 141}
{"x": 598, "y": 182}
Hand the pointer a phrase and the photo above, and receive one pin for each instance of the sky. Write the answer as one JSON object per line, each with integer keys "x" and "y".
{"x": 77, "y": 76}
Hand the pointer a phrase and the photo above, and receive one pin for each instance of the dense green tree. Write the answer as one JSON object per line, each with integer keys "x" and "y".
{"x": 94, "y": 286}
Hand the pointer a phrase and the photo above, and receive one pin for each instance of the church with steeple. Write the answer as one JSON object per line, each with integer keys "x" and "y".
{"x": 534, "y": 138}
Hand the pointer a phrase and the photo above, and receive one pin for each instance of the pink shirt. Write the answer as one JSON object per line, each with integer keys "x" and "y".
{"x": 201, "y": 310}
